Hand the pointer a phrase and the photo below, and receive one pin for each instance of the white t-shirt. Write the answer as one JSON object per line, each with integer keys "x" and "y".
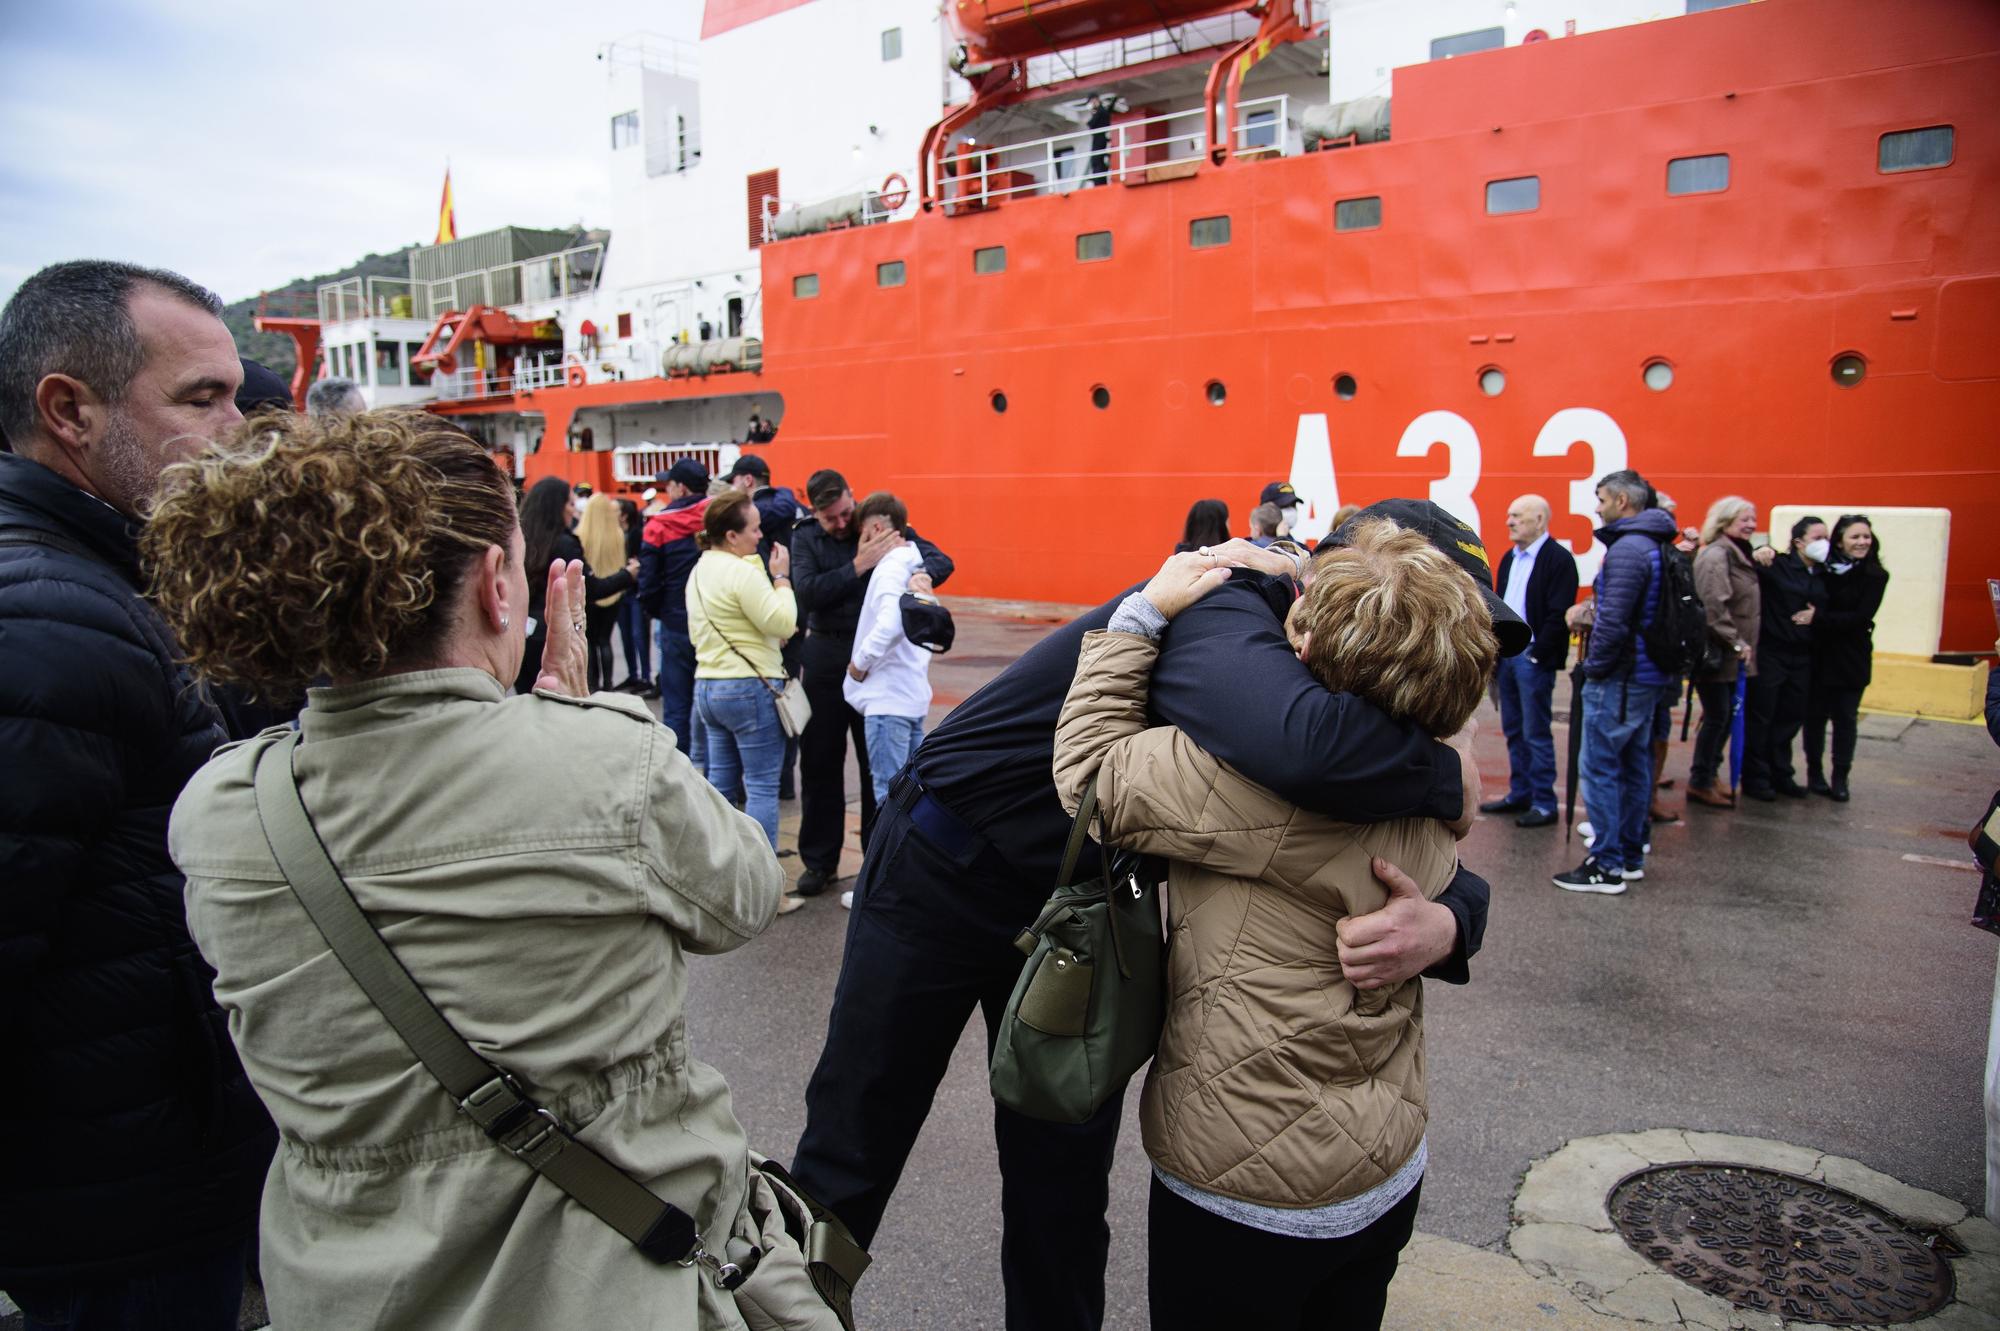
{"x": 899, "y": 671}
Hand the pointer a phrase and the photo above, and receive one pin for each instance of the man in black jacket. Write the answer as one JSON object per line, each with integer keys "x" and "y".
{"x": 967, "y": 850}
{"x": 1537, "y": 580}
{"x": 139, "y": 1148}
{"x": 830, "y": 567}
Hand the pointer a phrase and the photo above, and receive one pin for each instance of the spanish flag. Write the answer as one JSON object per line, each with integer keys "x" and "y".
{"x": 447, "y": 217}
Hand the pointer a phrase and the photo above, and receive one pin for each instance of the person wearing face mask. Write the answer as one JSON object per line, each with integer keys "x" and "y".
{"x": 1843, "y": 637}
{"x": 1793, "y": 594}
{"x": 1726, "y": 580}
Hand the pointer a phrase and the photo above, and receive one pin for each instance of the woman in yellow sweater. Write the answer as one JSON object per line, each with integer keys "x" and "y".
{"x": 738, "y": 617}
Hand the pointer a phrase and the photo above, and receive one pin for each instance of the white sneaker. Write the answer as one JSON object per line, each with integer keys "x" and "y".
{"x": 789, "y": 903}
{"x": 847, "y": 899}
{"x": 1586, "y": 831}
{"x": 1632, "y": 875}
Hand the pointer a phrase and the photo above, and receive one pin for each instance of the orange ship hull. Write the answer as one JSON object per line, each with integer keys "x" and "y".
{"x": 1747, "y": 295}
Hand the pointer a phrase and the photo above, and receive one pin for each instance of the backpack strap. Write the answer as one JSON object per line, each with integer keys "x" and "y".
{"x": 489, "y": 1096}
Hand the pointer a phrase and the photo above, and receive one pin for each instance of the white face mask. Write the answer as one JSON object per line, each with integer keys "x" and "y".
{"x": 1816, "y": 551}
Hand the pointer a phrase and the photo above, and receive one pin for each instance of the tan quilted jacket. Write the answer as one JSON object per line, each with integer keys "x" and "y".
{"x": 1276, "y": 1082}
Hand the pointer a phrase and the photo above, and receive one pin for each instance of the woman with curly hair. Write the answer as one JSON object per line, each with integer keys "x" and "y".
{"x": 541, "y": 865}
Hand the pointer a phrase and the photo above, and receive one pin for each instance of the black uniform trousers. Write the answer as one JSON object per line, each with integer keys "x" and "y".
{"x": 929, "y": 941}
{"x": 823, "y": 757}
{"x": 1842, "y": 707}
{"x": 1774, "y": 711}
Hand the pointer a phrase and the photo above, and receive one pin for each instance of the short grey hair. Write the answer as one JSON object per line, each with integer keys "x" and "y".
{"x": 1628, "y": 485}
{"x": 333, "y": 396}
{"x": 75, "y": 318}
{"x": 1264, "y": 520}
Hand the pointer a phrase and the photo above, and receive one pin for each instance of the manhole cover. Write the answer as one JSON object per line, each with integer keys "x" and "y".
{"x": 1780, "y": 1244}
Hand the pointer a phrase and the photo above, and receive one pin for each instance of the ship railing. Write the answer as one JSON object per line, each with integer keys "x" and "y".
{"x": 548, "y": 369}
{"x": 471, "y": 384}
{"x": 367, "y": 298}
{"x": 639, "y": 464}
{"x": 982, "y": 173}
{"x": 545, "y": 277}
{"x": 1083, "y": 62}
{"x": 652, "y": 50}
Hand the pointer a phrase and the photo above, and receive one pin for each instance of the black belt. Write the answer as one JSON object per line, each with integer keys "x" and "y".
{"x": 932, "y": 817}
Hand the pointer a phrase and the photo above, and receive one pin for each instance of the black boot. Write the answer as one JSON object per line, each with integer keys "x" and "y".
{"x": 1815, "y": 782}
{"x": 1838, "y": 791}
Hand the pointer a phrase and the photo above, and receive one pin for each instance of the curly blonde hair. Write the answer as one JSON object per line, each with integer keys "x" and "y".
{"x": 304, "y": 546}
{"x": 1395, "y": 621}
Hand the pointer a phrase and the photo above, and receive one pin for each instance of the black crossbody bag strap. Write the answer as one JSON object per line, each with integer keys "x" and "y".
{"x": 490, "y": 1097}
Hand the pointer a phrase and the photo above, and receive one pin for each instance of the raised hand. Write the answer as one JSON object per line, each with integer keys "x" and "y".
{"x": 781, "y": 562}
{"x": 564, "y": 658}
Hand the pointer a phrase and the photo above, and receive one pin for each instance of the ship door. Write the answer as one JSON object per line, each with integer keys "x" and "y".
{"x": 735, "y": 316}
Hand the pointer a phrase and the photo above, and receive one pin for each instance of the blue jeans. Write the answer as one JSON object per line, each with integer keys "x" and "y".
{"x": 892, "y": 742}
{"x": 746, "y": 745}
{"x": 1526, "y": 698}
{"x": 1618, "y": 766}
{"x": 676, "y": 681}
{"x": 633, "y": 637}
{"x": 200, "y": 1293}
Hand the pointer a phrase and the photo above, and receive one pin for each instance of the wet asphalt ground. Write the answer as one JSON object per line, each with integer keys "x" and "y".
{"x": 1784, "y": 971}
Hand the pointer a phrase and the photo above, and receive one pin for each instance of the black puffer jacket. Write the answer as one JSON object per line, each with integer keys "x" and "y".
{"x": 133, "y": 1137}
{"x": 1843, "y": 630}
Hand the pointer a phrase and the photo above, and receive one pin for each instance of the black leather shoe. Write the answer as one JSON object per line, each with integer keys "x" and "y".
{"x": 811, "y": 883}
{"x": 1792, "y": 790}
{"x": 1509, "y": 805}
{"x": 1536, "y": 818}
{"x": 1763, "y": 793}
{"x": 1817, "y": 785}
{"x": 1837, "y": 792}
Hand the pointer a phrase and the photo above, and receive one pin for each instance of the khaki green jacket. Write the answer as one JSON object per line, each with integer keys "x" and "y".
{"x": 542, "y": 866}
{"x": 1276, "y": 1082}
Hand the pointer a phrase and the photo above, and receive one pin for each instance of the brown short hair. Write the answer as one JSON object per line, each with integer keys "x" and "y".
{"x": 725, "y": 514}
{"x": 1395, "y": 621}
{"x": 882, "y": 504}
{"x": 302, "y": 546}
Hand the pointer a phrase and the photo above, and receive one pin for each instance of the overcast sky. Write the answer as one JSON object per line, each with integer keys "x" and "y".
{"x": 248, "y": 144}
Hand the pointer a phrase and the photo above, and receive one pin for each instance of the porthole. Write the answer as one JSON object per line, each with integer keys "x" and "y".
{"x": 1493, "y": 381}
{"x": 1659, "y": 375}
{"x": 1217, "y": 394}
{"x": 1344, "y": 387}
{"x": 1849, "y": 368}
{"x": 1100, "y": 397}
{"x": 999, "y": 400}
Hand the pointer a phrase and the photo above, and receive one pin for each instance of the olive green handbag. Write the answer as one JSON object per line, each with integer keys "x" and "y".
{"x": 1086, "y": 1013}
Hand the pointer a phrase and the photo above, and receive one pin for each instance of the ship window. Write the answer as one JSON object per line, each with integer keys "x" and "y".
{"x": 1915, "y": 149}
{"x": 889, "y": 274}
{"x": 805, "y": 286}
{"x": 1849, "y": 369}
{"x": 1465, "y": 43}
{"x": 1100, "y": 397}
{"x": 1358, "y": 214}
{"x": 624, "y": 325}
{"x": 388, "y": 362}
{"x": 892, "y": 43}
{"x": 1521, "y": 194}
{"x": 1208, "y": 232}
{"x": 1493, "y": 381}
{"x": 1698, "y": 175}
{"x": 999, "y": 401}
{"x": 1344, "y": 387}
{"x": 990, "y": 259}
{"x": 624, "y": 130}
{"x": 419, "y": 374}
{"x": 1217, "y": 394}
{"x": 1092, "y": 246}
{"x": 1659, "y": 375}
{"x": 1260, "y": 130}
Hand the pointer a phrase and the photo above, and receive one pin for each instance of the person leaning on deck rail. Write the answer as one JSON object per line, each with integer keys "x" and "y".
{"x": 1726, "y": 581}
{"x": 550, "y": 919}
{"x": 138, "y": 1146}
{"x": 830, "y": 564}
{"x": 1285, "y": 1112}
{"x": 334, "y": 396}
{"x": 967, "y": 848}
{"x": 1537, "y": 578}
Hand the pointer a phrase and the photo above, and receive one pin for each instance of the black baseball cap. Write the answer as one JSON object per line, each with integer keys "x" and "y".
{"x": 926, "y": 623}
{"x": 689, "y": 473}
{"x": 1456, "y": 538}
{"x": 749, "y": 464}
{"x": 1279, "y": 493}
{"x": 262, "y": 390}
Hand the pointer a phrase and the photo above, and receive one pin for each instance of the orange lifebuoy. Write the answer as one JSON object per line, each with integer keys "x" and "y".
{"x": 575, "y": 376}
{"x": 895, "y": 192}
